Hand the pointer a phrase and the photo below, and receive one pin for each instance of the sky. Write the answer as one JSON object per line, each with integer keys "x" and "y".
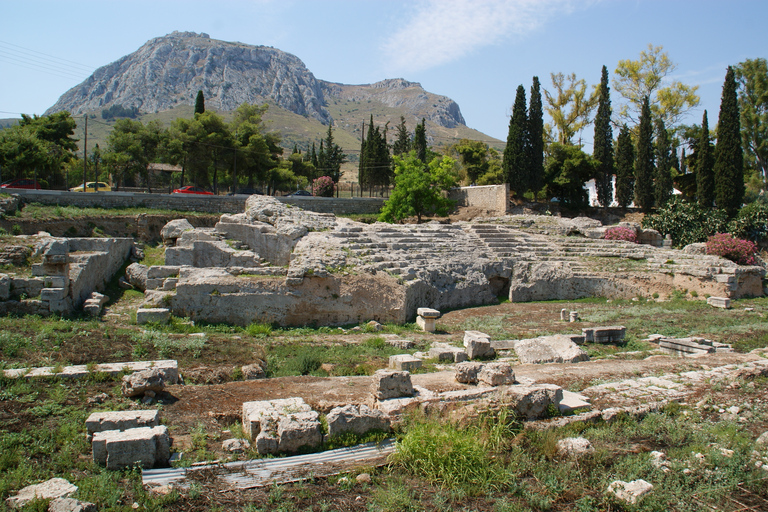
{"x": 474, "y": 51}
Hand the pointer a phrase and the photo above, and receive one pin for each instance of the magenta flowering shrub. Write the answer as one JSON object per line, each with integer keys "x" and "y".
{"x": 621, "y": 233}
{"x": 323, "y": 187}
{"x": 735, "y": 249}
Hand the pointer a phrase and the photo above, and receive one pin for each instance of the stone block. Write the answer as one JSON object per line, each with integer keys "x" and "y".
{"x": 60, "y": 306}
{"x": 153, "y": 284}
{"x": 121, "y": 420}
{"x": 153, "y": 315}
{"x": 404, "y": 362}
{"x": 719, "y": 302}
{"x": 478, "y": 347}
{"x": 236, "y": 445}
{"x": 496, "y": 374}
{"x": 447, "y": 353}
{"x": 5, "y": 287}
{"x": 391, "y": 384}
{"x": 428, "y": 313}
{"x": 53, "y": 294}
{"x": 610, "y": 334}
{"x": 259, "y": 416}
{"x": 146, "y": 446}
{"x": 154, "y": 380}
{"x": 426, "y": 324}
{"x": 358, "y": 419}
{"x": 37, "y": 270}
{"x": 630, "y": 492}
{"x": 574, "y": 447}
{"x": 531, "y": 402}
{"x": 56, "y": 281}
{"x": 162, "y": 271}
{"x": 564, "y": 315}
{"x": 71, "y": 505}
{"x": 475, "y": 335}
{"x": 299, "y": 430}
{"x": 50, "y": 489}
{"x": 549, "y": 349}
{"x": 466, "y": 372}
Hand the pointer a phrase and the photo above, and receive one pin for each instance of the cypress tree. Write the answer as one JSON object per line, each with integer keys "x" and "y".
{"x": 664, "y": 164}
{"x": 536, "y": 139}
{"x": 199, "y": 103}
{"x": 644, "y": 161}
{"x": 705, "y": 177}
{"x": 515, "y": 160}
{"x": 420, "y": 141}
{"x": 313, "y": 156}
{"x": 362, "y": 169}
{"x": 603, "y": 149}
{"x": 625, "y": 168}
{"x": 402, "y": 142}
{"x": 729, "y": 158}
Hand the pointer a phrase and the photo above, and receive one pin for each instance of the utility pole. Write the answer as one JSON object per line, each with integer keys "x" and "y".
{"x": 234, "y": 173}
{"x": 85, "y": 151}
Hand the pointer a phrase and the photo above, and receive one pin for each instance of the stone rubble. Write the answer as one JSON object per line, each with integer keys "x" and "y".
{"x": 630, "y": 492}
{"x": 574, "y": 447}
{"x": 50, "y": 489}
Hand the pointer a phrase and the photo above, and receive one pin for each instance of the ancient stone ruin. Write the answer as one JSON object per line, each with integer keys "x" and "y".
{"x": 280, "y": 264}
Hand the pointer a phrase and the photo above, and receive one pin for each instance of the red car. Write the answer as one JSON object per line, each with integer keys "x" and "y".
{"x": 189, "y": 189}
{"x": 26, "y": 183}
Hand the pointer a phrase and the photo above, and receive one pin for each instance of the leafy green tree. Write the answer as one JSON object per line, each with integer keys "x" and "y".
{"x": 664, "y": 165}
{"x": 258, "y": 150}
{"x": 625, "y": 168}
{"x": 752, "y": 78}
{"x": 56, "y": 132}
{"x": 516, "y": 152}
{"x": 200, "y": 103}
{"x": 644, "y": 161}
{"x": 704, "y": 162}
{"x": 22, "y": 154}
{"x": 571, "y": 107}
{"x": 568, "y": 168}
{"x": 419, "y": 188}
{"x": 603, "y": 148}
{"x": 402, "y": 142}
{"x": 420, "y": 140}
{"x": 729, "y": 158}
{"x": 139, "y": 145}
{"x": 639, "y": 79}
{"x": 473, "y": 157}
{"x": 535, "y": 139}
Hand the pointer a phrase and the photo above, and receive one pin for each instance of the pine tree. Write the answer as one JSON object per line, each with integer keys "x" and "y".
{"x": 625, "y": 168}
{"x": 644, "y": 161}
{"x": 664, "y": 163}
{"x": 705, "y": 177}
{"x": 402, "y": 142}
{"x": 729, "y": 158}
{"x": 536, "y": 139}
{"x": 420, "y": 141}
{"x": 603, "y": 149}
{"x": 515, "y": 160}
{"x": 199, "y": 103}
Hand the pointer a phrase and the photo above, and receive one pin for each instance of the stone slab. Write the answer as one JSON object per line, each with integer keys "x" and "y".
{"x": 572, "y": 402}
{"x": 428, "y": 313}
{"x": 610, "y": 334}
{"x": 404, "y": 362}
{"x": 121, "y": 420}
{"x": 170, "y": 367}
{"x": 153, "y": 315}
{"x": 719, "y": 302}
{"x": 549, "y": 349}
{"x": 53, "y": 488}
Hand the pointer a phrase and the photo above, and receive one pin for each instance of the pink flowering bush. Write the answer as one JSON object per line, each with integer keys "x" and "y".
{"x": 323, "y": 187}
{"x": 735, "y": 249}
{"x": 621, "y": 233}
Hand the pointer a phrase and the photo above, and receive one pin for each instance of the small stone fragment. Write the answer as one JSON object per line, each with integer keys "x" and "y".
{"x": 574, "y": 447}
{"x": 630, "y": 491}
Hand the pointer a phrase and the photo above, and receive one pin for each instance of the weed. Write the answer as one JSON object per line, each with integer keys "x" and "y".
{"x": 259, "y": 330}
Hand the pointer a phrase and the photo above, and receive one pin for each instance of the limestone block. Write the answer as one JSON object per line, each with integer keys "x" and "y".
{"x": 531, "y": 402}
{"x": 139, "y": 383}
{"x": 549, "y": 349}
{"x": 52, "y": 294}
{"x": 630, "y": 492}
{"x": 60, "y": 306}
{"x": 71, "y": 505}
{"x": 358, "y": 419}
{"x": 174, "y": 229}
{"x": 404, "y": 362}
{"x": 719, "y": 302}
{"x": 153, "y": 315}
{"x": 136, "y": 274}
{"x": 56, "y": 281}
{"x": 470, "y": 335}
{"x": 478, "y": 348}
{"x": 121, "y": 420}
{"x": 259, "y": 416}
{"x": 236, "y": 445}
{"x": 147, "y": 446}
{"x": 53, "y": 488}
{"x": 444, "y": 352}
{"x": 574, "y": 316}
{"x": 37, "y": 269}
{"x": 299, "y": 430}
{"x": 466, "y": 372}
{"x": 266, "y": 443}
{"x": 426, "y": 324}
{"x": 391, "y": 384}
{"x": 610, "y": 334}
{"x": 496, "y": 374}
{"x": 153, "y": 284}
{"x": 162, "y": 271}
{"x": 428, "y": 313}
{"x": 574, "y": 447}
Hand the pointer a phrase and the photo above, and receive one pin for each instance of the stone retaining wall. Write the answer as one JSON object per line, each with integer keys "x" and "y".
{"x": 494, "y": 198}
{"x": 190, "y": 202}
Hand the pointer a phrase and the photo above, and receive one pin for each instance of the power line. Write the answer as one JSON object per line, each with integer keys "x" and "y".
{"x": 52, "y": 58}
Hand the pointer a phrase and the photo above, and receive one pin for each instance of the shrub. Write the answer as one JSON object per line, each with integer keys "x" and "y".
{"x": 323, "y": 187}
{"x": 735, "y": 249}
{"x": 621, "y": 233}
{"x": 686, "y": 223}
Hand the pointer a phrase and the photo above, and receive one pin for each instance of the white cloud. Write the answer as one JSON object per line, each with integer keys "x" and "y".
{"x": 440, "y": 31}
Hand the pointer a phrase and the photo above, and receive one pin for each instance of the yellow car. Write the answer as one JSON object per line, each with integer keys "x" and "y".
{"x": 91, "y": 187}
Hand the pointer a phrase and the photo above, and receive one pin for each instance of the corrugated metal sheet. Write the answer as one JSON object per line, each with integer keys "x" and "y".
{"x": 260, "y": 472}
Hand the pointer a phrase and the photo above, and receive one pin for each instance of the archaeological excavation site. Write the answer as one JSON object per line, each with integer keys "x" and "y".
{"x": 286, "y": 359}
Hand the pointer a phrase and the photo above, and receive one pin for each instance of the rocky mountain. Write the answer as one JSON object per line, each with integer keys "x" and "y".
{"x": 167, "y": 72}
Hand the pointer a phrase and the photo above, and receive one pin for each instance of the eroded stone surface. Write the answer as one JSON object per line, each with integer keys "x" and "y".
{"x": 391, "y": 384}
{"x": 53, "y": 488}
{"x": 358, "y": 419}
{"x": 630, "y": 492}
{"x": 145, "y": 446}
{"x": 549, "y": 349}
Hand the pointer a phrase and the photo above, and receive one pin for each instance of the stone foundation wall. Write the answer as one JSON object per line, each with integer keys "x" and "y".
{"x": 494, "y": 198}
{"x": 190, "y": 202}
